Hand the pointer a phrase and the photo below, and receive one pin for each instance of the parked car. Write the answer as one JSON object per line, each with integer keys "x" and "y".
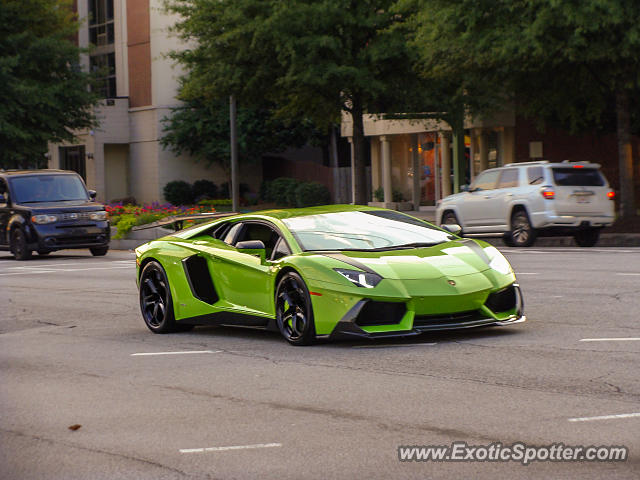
{"x": 48, "y": 210}
{"x": 325, "y": 272}
{"x": 522, "y": 201}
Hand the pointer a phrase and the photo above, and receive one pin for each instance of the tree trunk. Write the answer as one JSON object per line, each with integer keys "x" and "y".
{"x": 359, "y": 162}
{"x": 625, "y": 155}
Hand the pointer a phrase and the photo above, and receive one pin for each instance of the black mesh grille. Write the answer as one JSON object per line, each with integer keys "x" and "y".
{"x": 503, "y": 300}
{"x": 381, "y": 313}
{"x": 200, "y": 279}
{"x": 451, "y": 318}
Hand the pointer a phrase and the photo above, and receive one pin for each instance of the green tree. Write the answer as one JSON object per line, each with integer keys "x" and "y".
{"x": 572, "y": 62}
{"x": 200, "y": 127}
{"x": 43, "y": 92}
{"x": 315, "y": 58}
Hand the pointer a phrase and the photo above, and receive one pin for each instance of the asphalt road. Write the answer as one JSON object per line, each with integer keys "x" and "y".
{"x": 70, "y": 330}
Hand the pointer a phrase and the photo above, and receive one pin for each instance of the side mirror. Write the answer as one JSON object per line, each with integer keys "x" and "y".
{"x": 92, "y": 194}
{"x": 464, "y": 188}
{"x": 452, "y": 228}
{"x": 253, "y": 247}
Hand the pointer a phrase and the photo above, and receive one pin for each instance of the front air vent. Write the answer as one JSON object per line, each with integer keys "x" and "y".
{"x": 199, "y": 279}
{"x": 381, "y": 313}
{"x": 503, "y": 300}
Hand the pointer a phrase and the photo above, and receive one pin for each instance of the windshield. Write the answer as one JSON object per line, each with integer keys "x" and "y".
{"x": 47, "y": 188}
{"x": 578, "y": 177}
{"x": 367, "y": 230}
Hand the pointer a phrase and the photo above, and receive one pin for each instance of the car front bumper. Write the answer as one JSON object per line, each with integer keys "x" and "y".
{"x": 53, "y": 237}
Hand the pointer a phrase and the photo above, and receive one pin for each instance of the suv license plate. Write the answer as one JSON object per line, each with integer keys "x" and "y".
{"x": 584, "y": 199}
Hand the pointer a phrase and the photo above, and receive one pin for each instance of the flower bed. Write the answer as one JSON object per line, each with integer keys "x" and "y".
{"x": 125, "y": 217}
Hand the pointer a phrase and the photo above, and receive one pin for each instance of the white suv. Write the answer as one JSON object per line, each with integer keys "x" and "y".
{"x": 524, "y": 200}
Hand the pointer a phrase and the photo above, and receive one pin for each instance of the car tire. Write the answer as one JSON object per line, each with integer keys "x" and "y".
{"x": 522, "y": 234}
{"x": 450, "y": 218}
{"x": 156, "y": 303}
{"x": 294, "y": 312}
{"x": 506, "y": 238}
{"x": 43, "y": 252}
{"x": 19, "y": 245}
{"x": 588, "y": 237}
{"x": 99, "y": 251}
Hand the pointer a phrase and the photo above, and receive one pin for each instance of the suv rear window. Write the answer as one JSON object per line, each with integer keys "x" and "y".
{"x": 577, "y": 177}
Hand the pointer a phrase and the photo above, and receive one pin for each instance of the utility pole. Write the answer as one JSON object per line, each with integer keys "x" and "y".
{"x": 235, "y": 190}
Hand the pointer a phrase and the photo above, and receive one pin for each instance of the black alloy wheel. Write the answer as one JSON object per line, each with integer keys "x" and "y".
{"x": 587, "y": 237}
{"x": 19, "y": 246}
{"x": 522, "y": 233}
{"x": 294, "y": 313}
{"x": 99, "y": 251}
{"x": 156, "y": 303}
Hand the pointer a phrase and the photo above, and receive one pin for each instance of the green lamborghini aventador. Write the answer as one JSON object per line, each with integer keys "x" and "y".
{"x": 319, "y": 272}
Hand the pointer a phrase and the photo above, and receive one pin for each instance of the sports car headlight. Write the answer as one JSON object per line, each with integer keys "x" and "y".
{"x": 497, "y": 261}
{"x": 360, "y": 279}
{"x": 42, "y": 219}
{"x": 102, "y": 215}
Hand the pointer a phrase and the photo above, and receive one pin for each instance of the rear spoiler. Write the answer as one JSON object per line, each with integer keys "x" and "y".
{"x": 177, "y": 221}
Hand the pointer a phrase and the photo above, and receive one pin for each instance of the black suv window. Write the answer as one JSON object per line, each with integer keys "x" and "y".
{"x": 486, "y": 180}
{"x": 508, "y": 178}
{"x": 535, "y": 175}
{"x": 577, "y": 177}
{"x": 47, "y": 188}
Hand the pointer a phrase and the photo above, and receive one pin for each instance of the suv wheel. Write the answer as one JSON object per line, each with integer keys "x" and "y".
{"x": 588, "y": 237}
{"x": 522, "y": 234}
{"x": 19, "y": 246}
{"x": 99, "y": 251}
{"x": 449, "y": 218}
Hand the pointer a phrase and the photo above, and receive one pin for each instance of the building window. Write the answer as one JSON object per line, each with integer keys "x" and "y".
{"x": 102, "y": 36}
{"x": 72, "y": 158}
{"x": 105, "y": 66}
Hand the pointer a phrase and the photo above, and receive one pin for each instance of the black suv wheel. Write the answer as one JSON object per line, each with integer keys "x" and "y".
{"x": 522, "y": 234}
{"x": 19, "y": 246}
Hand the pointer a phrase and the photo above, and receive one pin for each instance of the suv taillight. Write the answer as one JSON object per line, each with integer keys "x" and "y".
{"x": 548, "y": 193}
{"x": 611, "y": 195}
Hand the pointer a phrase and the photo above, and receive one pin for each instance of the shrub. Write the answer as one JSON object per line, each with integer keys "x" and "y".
{"x": 396, "y": 195}
{"x": 216, "y": 201}
{"x": 308, "y": 194}
{"x": 225, "y": 191}
{"x": 378, "y": 194}
{"x": 178, "y": 192}
{"x": 204, "y": 189}
{"x": 283, "y": 191}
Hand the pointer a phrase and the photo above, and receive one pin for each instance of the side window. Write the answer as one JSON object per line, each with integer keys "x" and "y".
{"x": 486, "y": 180}
{"x": 281, "y": 250}
{"x": 4, "y": 190}
{"x": 220, "y": 231}
{"x": 230, "y": 235}
{"x": 262, "y": 232}
{"x": 535, "y": 175}
{"x": 509, "y": 178}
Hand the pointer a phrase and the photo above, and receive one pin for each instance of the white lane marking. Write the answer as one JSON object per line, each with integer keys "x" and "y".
{"x": 631, "y": 274}
{"x": 146, "y": 354}
{"x": 604, "y": 417}
{"x": 396, "y": 345}
{"x": 619, "y": 339}
{"x": 231, "y": 447}
{"x": 36, "y": 271}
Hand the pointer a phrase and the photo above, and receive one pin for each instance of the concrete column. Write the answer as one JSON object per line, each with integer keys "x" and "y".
{"x": 436, "y": 171}
{"x": 353, "y": 174}
{"x": 375, "y": 167}
{"x": 417, "y": 172}
{"x": 446, "y": 164}
{"x": 386, "y": 168}
{"x": 483, "y": 146}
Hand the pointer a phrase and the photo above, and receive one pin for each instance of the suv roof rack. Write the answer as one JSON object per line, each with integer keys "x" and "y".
{"x": 517, "y": 164}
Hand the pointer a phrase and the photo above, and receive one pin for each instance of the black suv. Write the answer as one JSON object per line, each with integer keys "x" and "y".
{"x": 47, "y": 210}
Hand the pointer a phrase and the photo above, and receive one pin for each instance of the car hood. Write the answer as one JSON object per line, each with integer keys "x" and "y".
{"x": 63, "y": 207}
{"x": 450, "y": 259}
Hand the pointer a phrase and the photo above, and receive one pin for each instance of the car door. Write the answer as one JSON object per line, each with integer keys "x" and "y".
{"x": 474, "y": 208}
{"x": 4, "y": 213}
{"x": 246, "y": 280}
{"x": 497, "y": 205}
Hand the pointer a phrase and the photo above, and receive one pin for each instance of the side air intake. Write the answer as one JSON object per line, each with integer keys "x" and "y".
{"x": 199, "y": 279}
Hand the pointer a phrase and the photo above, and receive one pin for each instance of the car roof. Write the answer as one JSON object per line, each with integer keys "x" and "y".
{"x": 281, "y": 214}
{"x": 47, "y": 171}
